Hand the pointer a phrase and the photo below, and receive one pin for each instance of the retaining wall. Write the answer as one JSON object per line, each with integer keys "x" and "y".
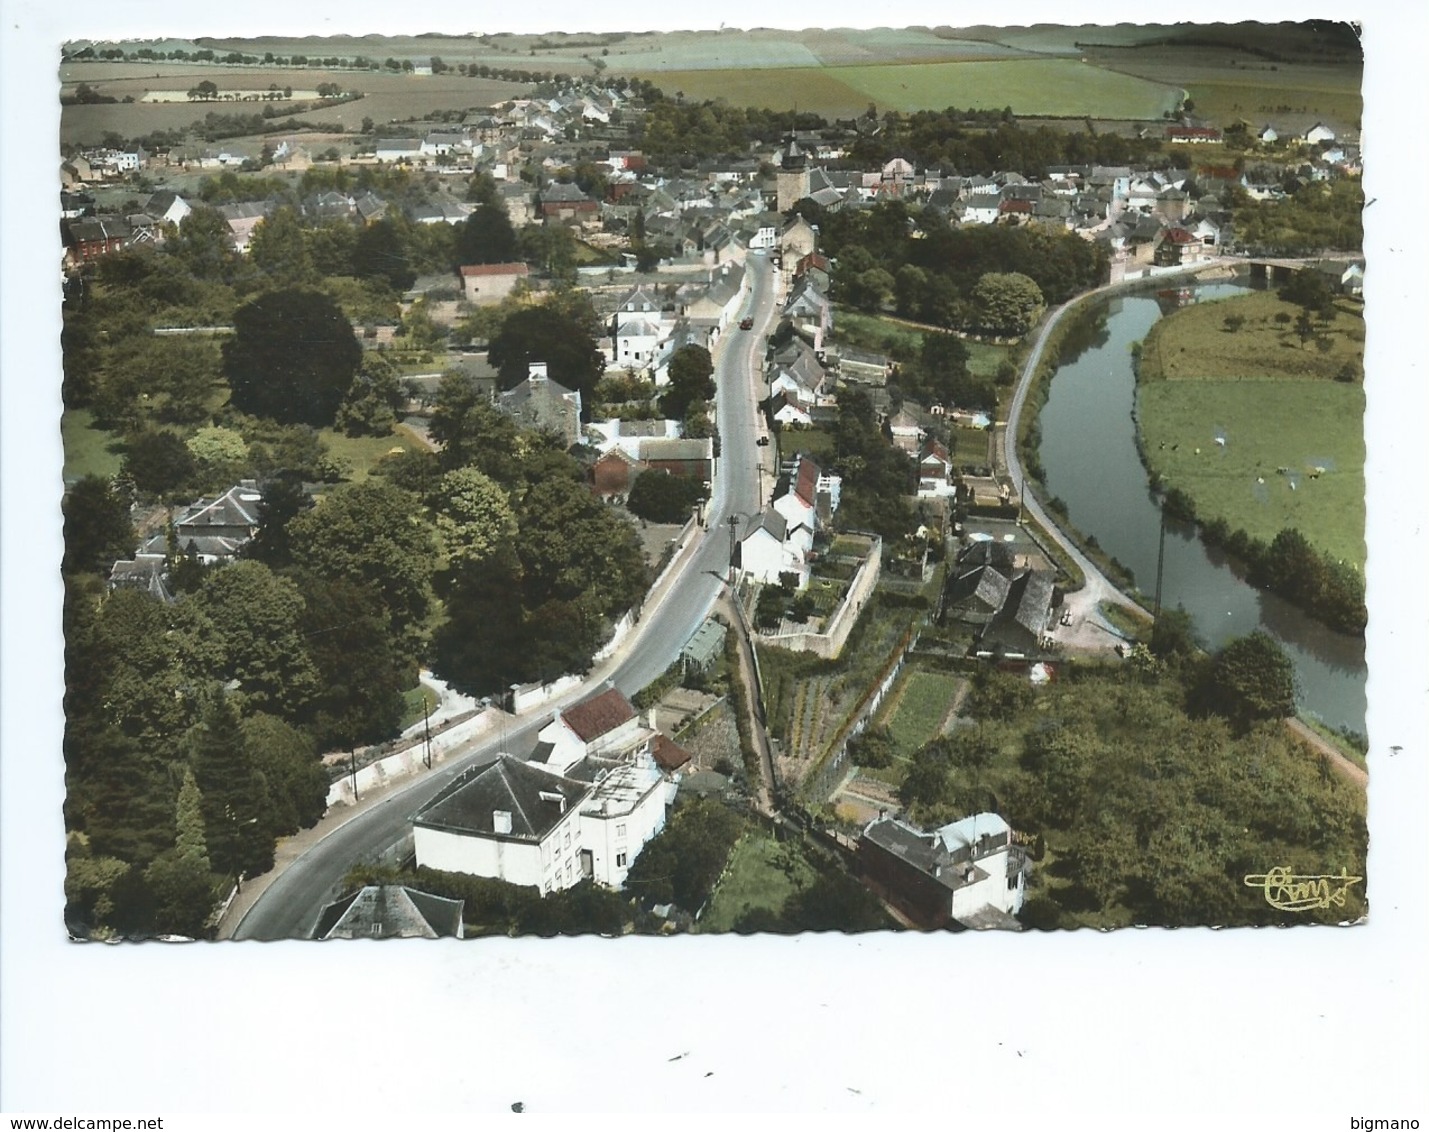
{"x": 410, "y": 760}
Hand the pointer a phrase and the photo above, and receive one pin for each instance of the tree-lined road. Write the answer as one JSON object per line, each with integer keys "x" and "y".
{"x": 291, "y": 896}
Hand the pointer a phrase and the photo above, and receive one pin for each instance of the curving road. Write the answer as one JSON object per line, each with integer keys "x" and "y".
{"x": 1098, "y": 588}
{"x": 291, "y": 895}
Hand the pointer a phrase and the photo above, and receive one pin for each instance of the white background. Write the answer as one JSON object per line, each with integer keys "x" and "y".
{"x": 1298, "y": 1028}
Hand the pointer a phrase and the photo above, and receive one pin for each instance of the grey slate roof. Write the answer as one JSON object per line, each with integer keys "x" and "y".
{"x": 510, "y": 785}
{"x": 659, "y": 448}
{"x": 770, "y": 520}
{"x": 390, "y": 911}
{"x": 979, "y": 590}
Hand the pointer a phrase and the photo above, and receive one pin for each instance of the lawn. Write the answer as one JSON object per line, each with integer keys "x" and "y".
{"x": 1194, "y": 343}
{"x": 88, "y": 451}
{"x": 360, "y": 453}
{"x": 1267, "y": 425}
{"x": 901, "y": 340}
{"x": 817, "y": 443}
{"x": 984, "y": 358}
{"x": 416, "y": 700}
{"x": 875, "y": 332}
{"x": 919, "y": 708}
{"x": 761, "y": 873}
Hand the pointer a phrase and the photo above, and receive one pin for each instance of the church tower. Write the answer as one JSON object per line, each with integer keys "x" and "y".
{"x": 793, "y": 175}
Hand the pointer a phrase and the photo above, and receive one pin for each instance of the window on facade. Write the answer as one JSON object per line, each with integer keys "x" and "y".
{"x": 620, "y": 860}
{"x": 620, "y": 831}
{"x": 568, "y": 838}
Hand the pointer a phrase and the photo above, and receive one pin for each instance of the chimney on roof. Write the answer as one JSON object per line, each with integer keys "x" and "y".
{"x": 501, "y": 821}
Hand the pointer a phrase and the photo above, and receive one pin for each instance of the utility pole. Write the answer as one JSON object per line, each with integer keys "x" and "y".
{"x": 427, "y": 730}
{"x": 352, "y": 763}
{"x": 733, "y": 521}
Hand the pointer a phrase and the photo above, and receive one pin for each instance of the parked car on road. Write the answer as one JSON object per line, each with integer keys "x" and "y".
{"x": 746, "y": 324}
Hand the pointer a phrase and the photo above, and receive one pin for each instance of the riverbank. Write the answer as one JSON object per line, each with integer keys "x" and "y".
{"x": 1254, "y": 426}
{"x": 1087, "y": 457}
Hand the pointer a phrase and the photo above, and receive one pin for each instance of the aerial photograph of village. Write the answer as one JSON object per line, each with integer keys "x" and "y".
{"x": 734, "y": 481}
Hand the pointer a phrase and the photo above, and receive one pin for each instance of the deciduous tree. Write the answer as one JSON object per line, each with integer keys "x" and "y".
{"x": 292, "y": 357}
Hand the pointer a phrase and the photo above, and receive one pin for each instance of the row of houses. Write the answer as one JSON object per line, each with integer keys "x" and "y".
{"x": 774, "y": 547}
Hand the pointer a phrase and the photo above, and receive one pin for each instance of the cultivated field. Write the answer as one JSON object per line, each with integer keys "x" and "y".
{"x": 918, "y": 709}
{"x": 387, "y": 96}
{"x": 1061, "y": 87}
{"x": 817, "y": 89}
{"x": 1228, "y": 84}
{"x": 1126, "y": 72}
{"x": 1030, "y": 85}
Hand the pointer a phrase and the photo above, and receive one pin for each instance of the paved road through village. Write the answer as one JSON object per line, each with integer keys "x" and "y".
{"x": 289, "y": 897}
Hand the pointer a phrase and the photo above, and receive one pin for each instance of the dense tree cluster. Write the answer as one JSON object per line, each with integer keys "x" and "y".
{"x": 1156, "y": 814}
{"x": 912, "y": 260}
{"x": 531, "y": 605}
{"x": 988, "y": 141}
{"x": 681, "y": 864}
{"x": 876, "y": 475}
{"x": 1317, "y": 216}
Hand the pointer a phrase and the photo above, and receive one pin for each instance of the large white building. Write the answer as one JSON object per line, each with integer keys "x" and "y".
{"x": 583, "y": 807}
{"x": 527, "y": 824}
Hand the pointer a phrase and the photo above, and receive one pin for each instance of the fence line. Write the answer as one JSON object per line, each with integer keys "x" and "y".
{"x": 820, "y": 785}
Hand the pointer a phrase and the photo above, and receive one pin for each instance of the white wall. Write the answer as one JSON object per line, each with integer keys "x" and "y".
{"x": 608, "y": 835}
{"x": 553, "y": 863}
{"x": 479, "y": 856}
{"x": 990, "y": 892}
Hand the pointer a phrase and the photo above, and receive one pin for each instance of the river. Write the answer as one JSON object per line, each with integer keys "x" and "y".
{"x": 1091, "y": 463}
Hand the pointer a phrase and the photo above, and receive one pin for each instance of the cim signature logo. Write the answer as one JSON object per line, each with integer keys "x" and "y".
{"x": 1292, "y": 892}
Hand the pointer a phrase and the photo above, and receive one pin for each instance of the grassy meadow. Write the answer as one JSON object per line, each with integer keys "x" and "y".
{"x": 761, "y": 873}
{"x": 1195, "y": 343}
{"x": 88, "y": 451}
{"x": 1267, "y": 425}
{"x": 1275, "y": 403}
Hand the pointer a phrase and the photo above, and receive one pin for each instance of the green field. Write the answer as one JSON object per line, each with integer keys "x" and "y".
{"x": 1061, "y": 87}
{"x": 761, "y": 873}
{"x": 88, "y": 451}
{"x": 1194, "y": 343}
{"x": 1267, "y": 425}
{"x": 1030, "y": 85}
{"x": 901, "y": 340}
{"x": 819, "y": 89}
{"x": 1273, "y": 400}
{"x": 920, "y": 708}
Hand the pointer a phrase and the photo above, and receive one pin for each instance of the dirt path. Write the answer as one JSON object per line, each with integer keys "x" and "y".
{"x": 1320, "y": 745}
